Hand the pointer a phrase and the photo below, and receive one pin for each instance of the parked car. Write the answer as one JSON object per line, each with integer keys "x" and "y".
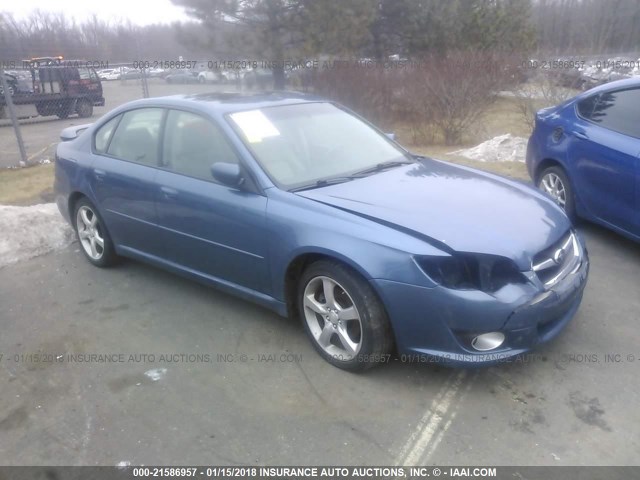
{"x": 585, "y": 154}
{"x": 209, "y": 76}
{"x": 157, "y": 72}
{"x": 109, "y": 74}
{"x": 130, "y": 74}
{"x": 301, "y": 206}
{"x": 232, "y": 76}
{"x": 182, "y": 76}
{"x": 260, "y": 78}
{"x": 17, "y": 84}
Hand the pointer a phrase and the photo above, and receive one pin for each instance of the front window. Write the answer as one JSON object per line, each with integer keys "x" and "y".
{"x": 304, "y": 144}
{"x": 192, "y": 144}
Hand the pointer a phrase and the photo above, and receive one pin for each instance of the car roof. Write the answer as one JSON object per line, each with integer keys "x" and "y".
{"x": 228, "y": 102}
{"x": 615, "y": 85}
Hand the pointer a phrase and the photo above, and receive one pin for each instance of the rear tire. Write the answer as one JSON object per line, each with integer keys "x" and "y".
{"x": 555, "y": 183}
{"x": 92, "y": 234}
{"x": 63, "y": 111}
{"x": 43, "y": 110}
{"x": 343, "y": 317}
{"x": 84, "y": 108}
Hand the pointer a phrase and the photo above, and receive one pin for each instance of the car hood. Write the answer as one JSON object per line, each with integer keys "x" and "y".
{"x": 464, "y": 209}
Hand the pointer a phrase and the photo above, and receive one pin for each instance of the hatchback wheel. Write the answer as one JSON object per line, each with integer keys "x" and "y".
{"x": 343, "y": 317}
{"x": 92, "y": 235}
{"x": 555, "y": 183}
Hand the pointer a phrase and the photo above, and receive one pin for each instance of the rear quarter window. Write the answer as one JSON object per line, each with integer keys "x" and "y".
{"x": 618, "y": 111}
{"x": 104, "y": 133}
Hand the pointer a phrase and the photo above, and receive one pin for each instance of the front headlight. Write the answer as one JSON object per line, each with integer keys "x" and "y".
{"x": 470, "y": 271}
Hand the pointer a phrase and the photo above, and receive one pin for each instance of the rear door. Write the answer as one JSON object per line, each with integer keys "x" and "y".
{"x": 207, "y": 227}
{"x": 604, "y": 149}
{"x": 126, "y": 159}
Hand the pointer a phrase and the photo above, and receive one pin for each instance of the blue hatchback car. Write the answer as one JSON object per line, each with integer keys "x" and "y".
{"x": 297, "y": 204}
{"x": 585, "y": 153}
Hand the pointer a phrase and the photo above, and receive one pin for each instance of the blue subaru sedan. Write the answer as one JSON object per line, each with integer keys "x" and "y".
{"x": 298, "y": 204}
{"x": 585, "y": 153}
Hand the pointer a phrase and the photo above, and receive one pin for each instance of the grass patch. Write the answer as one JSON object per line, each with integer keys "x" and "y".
{"x": 26, "y": 186}
{"x": 508, "y": 169}
{"x": 502, "y": 117}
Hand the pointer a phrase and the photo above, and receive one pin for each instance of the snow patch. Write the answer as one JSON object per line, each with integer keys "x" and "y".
{"x": 28, "y": 232}
{"x": 503, "y": 148}
{"x": 156, "y": 374}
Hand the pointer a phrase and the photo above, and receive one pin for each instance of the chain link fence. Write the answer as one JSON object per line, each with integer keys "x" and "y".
{"x": 42, "y": 96}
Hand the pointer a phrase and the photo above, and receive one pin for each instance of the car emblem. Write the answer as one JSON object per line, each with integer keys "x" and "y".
{"x": 558, "y": 256}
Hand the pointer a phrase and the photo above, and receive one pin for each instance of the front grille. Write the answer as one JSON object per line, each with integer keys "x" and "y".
{"x": 553, "y": 263}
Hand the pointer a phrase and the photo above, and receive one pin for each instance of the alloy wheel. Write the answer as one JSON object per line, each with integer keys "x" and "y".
{"x": 332, "y": 318}
{"x": 90, "y": 232}
{"x": 552, "y": 184}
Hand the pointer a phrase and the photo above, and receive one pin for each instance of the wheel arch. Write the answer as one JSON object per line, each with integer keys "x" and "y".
{"x": 73, "y": 200}
{"x": 296, "y": 267}
{"x": 77, "y": 195}
{"x": 580, "y": 209}
{"x": 301, "y": 261}
{"x": 546, "y": 163}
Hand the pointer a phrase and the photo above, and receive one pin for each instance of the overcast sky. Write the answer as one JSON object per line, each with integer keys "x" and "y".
{"x": 141, "y": 12}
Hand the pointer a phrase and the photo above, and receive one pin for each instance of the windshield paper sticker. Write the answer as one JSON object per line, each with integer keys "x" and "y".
{"x": 255, "y": 125}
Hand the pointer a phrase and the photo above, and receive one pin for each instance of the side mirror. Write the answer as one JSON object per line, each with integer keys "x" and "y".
{"x": 391, "y": 136}
{"x": 227, "y": 173}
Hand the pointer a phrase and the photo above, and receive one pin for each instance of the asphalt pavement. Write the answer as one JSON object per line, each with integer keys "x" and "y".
{"x": 132, "y": 364}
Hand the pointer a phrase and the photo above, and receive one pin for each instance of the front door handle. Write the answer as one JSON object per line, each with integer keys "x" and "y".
{"x": 169, "y": 192}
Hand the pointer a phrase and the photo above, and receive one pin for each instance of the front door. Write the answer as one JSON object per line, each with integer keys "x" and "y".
{"x": 208, "y": 228}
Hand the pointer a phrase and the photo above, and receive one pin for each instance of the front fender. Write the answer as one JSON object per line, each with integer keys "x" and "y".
{"x": 298, "y": 226}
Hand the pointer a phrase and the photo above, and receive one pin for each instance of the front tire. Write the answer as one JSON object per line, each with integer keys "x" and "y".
{"x": 554, "y": 182}
{"x": 92, "y": 235}
{"x": 343, "y": 317}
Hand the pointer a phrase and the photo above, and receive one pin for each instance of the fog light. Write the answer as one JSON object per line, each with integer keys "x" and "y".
{"x": 487, "y": 341}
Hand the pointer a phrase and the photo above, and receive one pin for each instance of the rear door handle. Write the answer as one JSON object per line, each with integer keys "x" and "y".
{"x": 169, "y": 192}
{"x": 99, "y": 174}
{"x": 580, "y": 134}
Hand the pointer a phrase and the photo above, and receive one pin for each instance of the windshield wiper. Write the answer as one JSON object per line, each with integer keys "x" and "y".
{"x": 323, "y": 183}
{"x": 345, "y": 178}
{"x": 382, "y": 166}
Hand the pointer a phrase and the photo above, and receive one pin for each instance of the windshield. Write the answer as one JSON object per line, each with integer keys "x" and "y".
{"x": 304, "y": 144}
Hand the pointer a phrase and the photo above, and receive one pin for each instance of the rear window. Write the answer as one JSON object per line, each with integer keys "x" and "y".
{"x": 617, "y": 111}
{"x": 137, "y": 135}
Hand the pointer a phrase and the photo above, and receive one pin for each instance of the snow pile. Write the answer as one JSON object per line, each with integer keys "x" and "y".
{"x": 503, "y": 148}
{"x": 26, "y": 232}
